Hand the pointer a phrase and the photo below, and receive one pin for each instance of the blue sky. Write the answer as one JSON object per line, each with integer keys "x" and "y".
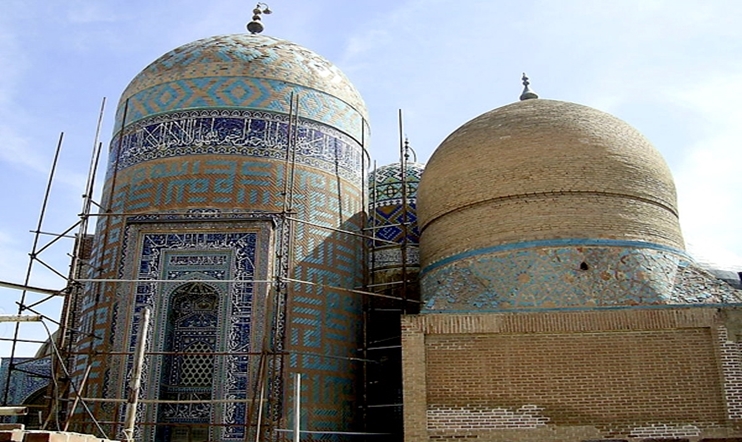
{"x": 671, "y": 68}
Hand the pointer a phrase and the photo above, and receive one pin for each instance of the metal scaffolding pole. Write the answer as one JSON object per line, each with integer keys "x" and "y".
{"x": 31, "y": 260}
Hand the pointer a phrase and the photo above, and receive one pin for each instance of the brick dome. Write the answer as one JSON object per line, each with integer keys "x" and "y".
{"x": 544, "y": 170}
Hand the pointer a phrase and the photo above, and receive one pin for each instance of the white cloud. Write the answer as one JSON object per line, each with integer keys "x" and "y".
{"x": 15, "y": 149}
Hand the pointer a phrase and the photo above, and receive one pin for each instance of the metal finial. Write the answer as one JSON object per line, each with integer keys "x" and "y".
{"x": 527, "y": 92}
{"x": 406, "y": 149}
{"x": 255, "y": 26}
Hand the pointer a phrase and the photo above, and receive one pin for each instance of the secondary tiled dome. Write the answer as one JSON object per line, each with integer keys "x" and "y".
{"x": 385, "y": 184}
{"x": 392, "y": 213}
{"x": 245, "y": 71}
{"x": 544, "y": 170}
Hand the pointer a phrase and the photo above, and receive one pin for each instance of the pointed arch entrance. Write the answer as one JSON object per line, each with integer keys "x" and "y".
{"x": 188, "y": 368}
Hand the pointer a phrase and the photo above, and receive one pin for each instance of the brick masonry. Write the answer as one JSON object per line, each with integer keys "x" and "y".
{"x": 562, "y": 166}
{"x": 572, "y": 376}
{"x": 543, "y": 204}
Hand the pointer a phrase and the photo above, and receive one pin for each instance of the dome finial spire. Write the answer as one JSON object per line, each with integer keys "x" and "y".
{"x": 255, "y": 26}
{"x": 527, "y": 92}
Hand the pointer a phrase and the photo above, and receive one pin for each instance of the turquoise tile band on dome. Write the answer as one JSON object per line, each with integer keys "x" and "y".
{"x": 578, "y": 242}
{"x": 242, "y": 93}
{"x": 245, "y": 72}
{"x": 569, "y": 273}
{"x": 253, "y": 56}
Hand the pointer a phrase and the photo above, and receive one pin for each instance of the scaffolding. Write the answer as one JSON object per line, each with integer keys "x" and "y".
{"x": 382, "y": 314}
{"x": 65, "y": 397}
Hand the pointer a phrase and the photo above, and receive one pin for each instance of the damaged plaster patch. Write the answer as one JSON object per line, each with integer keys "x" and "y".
{"x": 665, "y": 430}
{"x": 473, "y": 418}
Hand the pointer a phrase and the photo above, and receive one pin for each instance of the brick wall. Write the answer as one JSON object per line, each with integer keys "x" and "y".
{"x": 571, "y": 376}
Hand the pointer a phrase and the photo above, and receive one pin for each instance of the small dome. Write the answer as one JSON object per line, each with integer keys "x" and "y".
{"x": 390, "y": 219}
{"x": 244, "y": 71}
{"x": 544, "y": 170}
{"x": 394, "y": 253}
{"x": 385, "y": 183}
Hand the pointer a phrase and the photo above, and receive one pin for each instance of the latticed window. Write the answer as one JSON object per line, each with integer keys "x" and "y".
{"x": 189, "y": 371}
{"x": 192, "y": 335}
{"x": 196, "y": 369}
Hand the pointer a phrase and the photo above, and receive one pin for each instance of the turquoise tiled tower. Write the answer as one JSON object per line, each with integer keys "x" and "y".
{"x": 234, "y": 169}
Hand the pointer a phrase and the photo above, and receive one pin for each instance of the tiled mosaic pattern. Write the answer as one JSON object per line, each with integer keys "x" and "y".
{"x": 552, "y": 275}
{"x": 321, "y": 321}
{"x": 200, "y": 165}
{"x": 387, "y": 214}
{"x": 216, "y": 255}
{"x": 385, "y": 258}
{"x": 219, "y": 188}
{"x": 694, "y": 285}
{"x": 23, "y": 383}
{"x": 211, "y": 250}
{"x": 193, "y": 326}
{"x": 229, "y": 183}
{"x": 240, "y": 133}
{"x": 385, "y": 184}
{"x": 247, "y": 72}
{"x": 389, "y": 222}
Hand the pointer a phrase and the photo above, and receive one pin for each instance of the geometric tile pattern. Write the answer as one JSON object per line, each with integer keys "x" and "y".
{"x": 23, "y": 381}
{"x": 249, "y": 72}
{"x": 206, "y": 255}
{"x": 388, "y": 215}
{"x": 552, "y": 274}
{"x": 199, "y": 164}
{"x": 321, "y": 322}
{"x": 192, "y": 326}
{"x": 258, "y": 94}
{"x": 241, "y": 133}
{"x": 385, "y": 183}
{"x": 387, "y": 221}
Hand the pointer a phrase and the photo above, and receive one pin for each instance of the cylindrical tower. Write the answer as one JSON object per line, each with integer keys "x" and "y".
{"x": 393, "y": 263}
{"x": 235, "y": 167}
{"x": 544, "y": 204}
{"x": 393, "y": 220}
